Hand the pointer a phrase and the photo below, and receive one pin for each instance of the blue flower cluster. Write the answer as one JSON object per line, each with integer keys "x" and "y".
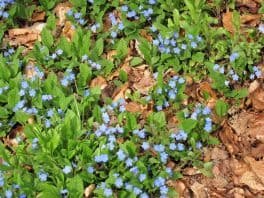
{"x": 117, "y": 26}
{"x": 256, "y": 73}
{"x": 9, "y": 52}
{"x": 177, "y": 140}
{"x": 3, "y": 6}
{"x": 173, "y": 44}
{"x": 170, "y": 91}
{"x": 68, "y": 78}
{"x": 55, "y": 54}
{"x": 77, "y": 16}
{"x": 94, "y": 65}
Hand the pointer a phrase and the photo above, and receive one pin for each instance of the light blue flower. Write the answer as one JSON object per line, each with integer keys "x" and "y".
{"x": 67, "y": 169}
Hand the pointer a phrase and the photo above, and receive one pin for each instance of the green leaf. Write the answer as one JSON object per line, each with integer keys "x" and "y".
{"x": 136, "y": 61}
{"x": 48, "y": 191}
{"x": 221, "y": 108}
{"x": 188, "y": 125}
{"x": 46, "y": 37}
{"x": 85, "y": 75}
{"x": 75, "y": 186}
{"x": 122, "y": 49}
{"x": 198, "y": 57}
{"x": 3, "y": 112}
{"x": 13, "y": 97}
{"x": 145, "y": 49}
{"x": 123, "y": 75}
{"x": 98, "y": 48}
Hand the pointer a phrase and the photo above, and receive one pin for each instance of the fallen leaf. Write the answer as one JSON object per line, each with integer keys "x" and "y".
{"x": 251, "y": 180}
{"x": 257, "y": 167}
{"x": 38, "y": 16}
{"x": 247, "y": 20}
{"x": 134, "y": 107}
{"x": 146, "y": 35}
{"x": 60, "y": 11}
{"x": 120, "y": 92}
{"x": 239, "y": 122}
{"x": 218, "y": 154}
{"x": 25, "y": 36}
{"x": 99, "y": 81}
{"x": 257, "y": 98}
{"x": 253, "y": 86}
{"x": 68, "y": 30}
{"x": 199, "y": 190}
{"x": 256, "y": 127}
{"x": 230, "y": 139}
{"x": 141, "y": 79}
{"x": 205, "y": 87}
{"x": 88, "y": 190}
{"x": 179, "y": 186}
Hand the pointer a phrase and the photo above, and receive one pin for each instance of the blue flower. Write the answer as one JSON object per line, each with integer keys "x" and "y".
{"x": 181, "y": 80}
{"x": 129, "y": 162}
{"x": 163, "y": 157}
{"x": 8, "y": 194}
{"x": 22, "y": 196}
{"x": 106, "y": 118}
{"x": 144, "y": 195}
{"x": 184, "y": 46}
{"x": 199, "y": 145}
{"x": 159, "y": 108}
{"x": 69, "y": 13}
{"x": 43, "y": 176}
{"x": 121, "y": 26}
{"x": 124, "y": 8}
{"x": 101, "y": 158}
{"x": 194, "y": 45}
{"x": 50, "y": 113}
{"x": 46, "y": 97}
{"x": 119, "y": 182}
{"x": 145, "y": 145}
{"x": 142, "y": 177}
{"x": 128, "y": 186}
{"x": 137, "y": 190}
{"x": 24, "y": 84}
{"x": 67, "y": 169}
{"x": 59, "y": 52}
{"x": 235, "y": 77}
{"x": 172, "y": 146}
{"x": 159, "y": 181}
{"x": 159, "y": 148}
{"x": 206, "y": 111}
{"x": 233, "y": 56}
{"x": 64, "y": 192}
{"x": 22, "y": 92}
{"x": 47, "y": 123}
{"x": 108, "y": 192}
{"x": 180, "y": 147}
{"x": 181, "y": 135}
{"x": 32, "y": 92}
{"x": 77, "y": 15}
{"x": 90, "y": 169}
{"x": 152, "y": 2}
{"x": 261, "y": 28}
{"x": 164, "y": 190}
{"x": 131, "y": 14}
{"x": 121, "y": 155}
{"x": 2, "y": 181}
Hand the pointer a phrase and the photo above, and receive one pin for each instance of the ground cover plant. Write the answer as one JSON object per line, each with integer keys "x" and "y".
{"x": 118, "y": 98}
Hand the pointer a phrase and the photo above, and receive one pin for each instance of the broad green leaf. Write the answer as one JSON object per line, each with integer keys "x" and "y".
{"x": 221, "y": 108}
{"x": 46, "y": 37}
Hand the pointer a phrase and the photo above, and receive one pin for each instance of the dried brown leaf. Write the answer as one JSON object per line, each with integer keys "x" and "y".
{"x": 251, "y": 180}
{"x": 256, "y": 127}
{"x": 99, "y": 81}
{"x": 88, "y": 190}
{"x": 257, "y": 167}
{"x": 120, "y": 92}
{"x": 230, "y": 139}
{"x": 257, "y": 98}
{"x": 68, "y": 30}
{"x": 60, "y": 11}
{"x": 134, "y": 107}
{"x": 199, "y": 190}
{"x": 38, "y": 16}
